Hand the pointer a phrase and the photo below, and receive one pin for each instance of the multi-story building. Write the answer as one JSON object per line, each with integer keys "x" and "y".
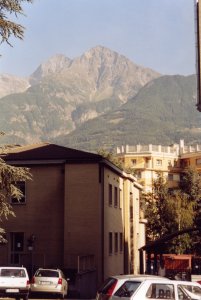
{"x": 147, "y": 160}
{"x": 79, "y": 212}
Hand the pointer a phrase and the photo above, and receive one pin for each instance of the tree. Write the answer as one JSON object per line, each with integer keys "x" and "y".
{"x": 111, "y": 157}
{"x": 170, "y": 211}
{"x": 8, "y": 28}
{"x": 10, "y": 175}
{"x": 158, "y": 210}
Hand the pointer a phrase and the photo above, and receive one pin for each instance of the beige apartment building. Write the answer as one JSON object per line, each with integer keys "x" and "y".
{"x": 79, "y": 213}
{"x": 148, "y": 160}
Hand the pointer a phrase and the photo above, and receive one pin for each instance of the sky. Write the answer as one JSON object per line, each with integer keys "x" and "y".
{"x": 158, "y": 34}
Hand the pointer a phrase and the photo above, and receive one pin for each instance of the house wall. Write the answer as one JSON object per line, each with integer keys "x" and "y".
{"x": 41, "y": 215}
{"x": 82, "y": 217}
{"x": 113, "y": 224}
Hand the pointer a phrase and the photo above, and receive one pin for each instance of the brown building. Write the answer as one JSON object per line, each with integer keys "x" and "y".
{"x": 79, "y": 212}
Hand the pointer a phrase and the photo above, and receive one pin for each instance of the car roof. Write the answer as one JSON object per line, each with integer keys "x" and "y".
{"x": 139, "y": 277}
{"x": 188, "y": 282}
{"x": 13, "y": 268}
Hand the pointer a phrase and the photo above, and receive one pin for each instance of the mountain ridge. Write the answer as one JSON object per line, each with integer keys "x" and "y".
{"x": 64, "y": 93}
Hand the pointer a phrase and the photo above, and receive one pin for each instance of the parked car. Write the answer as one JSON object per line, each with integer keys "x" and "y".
{"x": 113, "y": 283}
{"x": 14, "y": 283}
{"x": 147, "y": 288}
{"x": 49, "y": 281}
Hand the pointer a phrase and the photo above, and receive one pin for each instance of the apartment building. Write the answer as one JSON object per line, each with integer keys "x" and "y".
{"x": 147, "y": 160}
{"x": 79, "y": 212}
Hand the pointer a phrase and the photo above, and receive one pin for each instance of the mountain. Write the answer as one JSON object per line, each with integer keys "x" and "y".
{"x": 163, "y": 112}
{"x": 10, "y": 84}
{"x": 64, "y": 93}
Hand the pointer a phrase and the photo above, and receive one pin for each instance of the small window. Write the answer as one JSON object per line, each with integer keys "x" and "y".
{"x": 134, "y": 162}
{"x": 198, "y": 161}
{"x": 21, "y": 186}
{"x": 115, "y": 196}
{"x": 170, "y": 177}
{"x": 116, "y": 242}
{"x": 121, "y": 242}
{"x": 159, "y": 162}
{"x": 110, "y": 195}
{"x": 169, "y": 163}
{"x": 120, "y": 198}
{"x": 110, "y": 243}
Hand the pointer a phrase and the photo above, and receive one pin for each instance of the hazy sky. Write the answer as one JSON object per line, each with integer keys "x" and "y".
{"x": 159, "y": 34}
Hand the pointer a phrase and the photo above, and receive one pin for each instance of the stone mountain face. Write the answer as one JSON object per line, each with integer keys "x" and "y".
{"x": 10, "y": 84}
{"x": 54, "y": 65}
{"x": 63, "y": 94}
{"x": 163, "y": 112}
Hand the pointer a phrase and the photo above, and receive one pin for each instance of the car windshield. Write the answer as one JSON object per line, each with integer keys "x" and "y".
{"x": 127, "y": 289}
{"x": 12, "y": 273}
{"x": 46, "y": 273}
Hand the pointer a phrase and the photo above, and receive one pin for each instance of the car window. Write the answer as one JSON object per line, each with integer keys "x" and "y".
{"x": 160, "y": 291}
{"x": 127, "y": 289}
{"x": 46, "y": 273}
{"x": 107, "y": 285}
{"x": 182, "y": 295}
{"x": 193, "y": 289}
{"x": 12, "y": 273}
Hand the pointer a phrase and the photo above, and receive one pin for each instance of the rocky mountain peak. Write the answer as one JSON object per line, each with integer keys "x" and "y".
{"x": 53, "y": 65}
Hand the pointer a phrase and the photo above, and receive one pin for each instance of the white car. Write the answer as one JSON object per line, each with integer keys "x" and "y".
{"x": 14, "y": 283}
{"x": 147, "y": 288}
{"x": 113, "y": 283}
{"x": 49, "y": 281}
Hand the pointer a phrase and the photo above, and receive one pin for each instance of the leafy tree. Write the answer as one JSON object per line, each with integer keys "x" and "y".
{"x": 10, "y": 175}
{"x": 184, "y": 216}
{"x": 8, "y": 28}
{"x": 171, "y": 211}
{"x": 158, "y": 210}
{"x": 191, "y": 185}
{"x": 109, "y": 155}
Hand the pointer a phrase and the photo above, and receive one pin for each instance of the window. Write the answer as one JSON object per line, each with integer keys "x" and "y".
{"x": 110, "y": 195}
{"x": 198, "y": 161}
{"x": 159, "y": 162}
{"x": 121, "y": 242}
{"x": 128, "y": 289}
{"x": 170, "y": 177}
{"x": 116, "y": 242}
{"x": 169, "y": 163}
{"x": 134, "y": 162}
{"x": 21, "y": 186}
{"x": 17, "y": 246}
{"x": 120, "y": 199}
{"x": 115, "y": 196}
{"x": 110, "y": 243}
{"x": 160, "y": 291}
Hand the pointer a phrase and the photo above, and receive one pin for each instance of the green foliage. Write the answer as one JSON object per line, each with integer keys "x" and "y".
{"x": 111, "y": 157}
{"x": 170, "y": 211}
{"x": 158, "y": 210}
{"x": 9, "y": 28}
{"x": 9, "y": 176}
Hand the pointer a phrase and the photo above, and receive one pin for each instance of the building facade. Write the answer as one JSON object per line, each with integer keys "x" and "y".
{"x": 79, "y": 212}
